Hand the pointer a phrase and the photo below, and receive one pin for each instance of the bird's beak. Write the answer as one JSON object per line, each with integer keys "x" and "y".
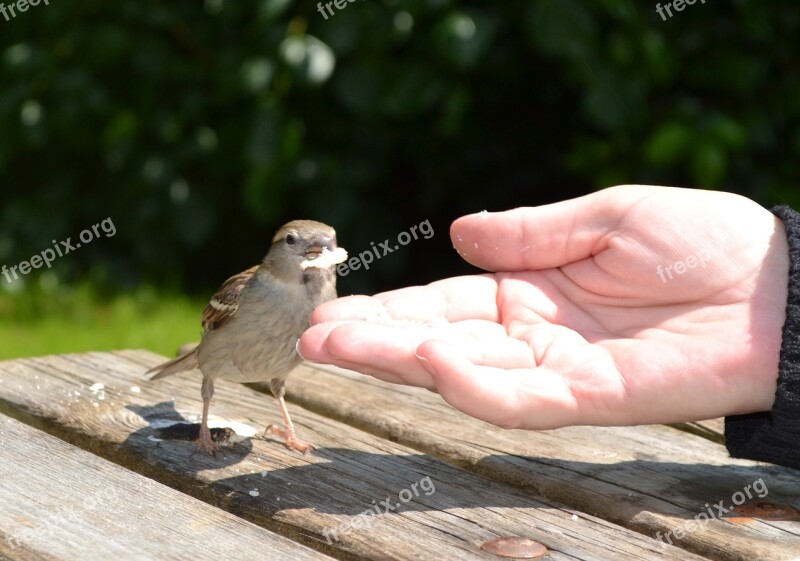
{"x": 316, "y": 246}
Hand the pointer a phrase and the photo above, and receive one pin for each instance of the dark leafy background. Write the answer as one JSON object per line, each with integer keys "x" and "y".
{"x": 199, "y": 127}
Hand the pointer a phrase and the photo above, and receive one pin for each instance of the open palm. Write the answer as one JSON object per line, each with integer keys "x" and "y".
{"x": 632, "y": 305}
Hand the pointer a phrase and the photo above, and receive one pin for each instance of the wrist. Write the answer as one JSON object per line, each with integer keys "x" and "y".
{"x": 768, "y": 321}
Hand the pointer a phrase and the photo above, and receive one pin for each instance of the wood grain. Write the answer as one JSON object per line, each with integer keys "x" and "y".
{"x": 60, "y": 502}
{"x": 650, "y": 478}
{"x": 305, "y": 498}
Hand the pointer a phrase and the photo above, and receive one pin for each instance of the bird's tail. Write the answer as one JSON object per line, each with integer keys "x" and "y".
{"x": 182, "y": 363}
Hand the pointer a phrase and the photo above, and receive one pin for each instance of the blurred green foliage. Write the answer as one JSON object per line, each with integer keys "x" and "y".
{"x": 40, "y": 321}
{"x": 200, "y": 126}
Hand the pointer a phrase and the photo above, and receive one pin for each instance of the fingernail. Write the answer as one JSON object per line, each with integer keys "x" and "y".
{"x": 297, "y": 349}
{"x": 426, "y": 364}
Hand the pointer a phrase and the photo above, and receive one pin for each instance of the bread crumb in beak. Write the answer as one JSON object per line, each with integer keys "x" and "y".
{"x": 326, "y": 259}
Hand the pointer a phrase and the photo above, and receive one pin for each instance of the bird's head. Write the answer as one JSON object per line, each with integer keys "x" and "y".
{"x": 304, "y": 245}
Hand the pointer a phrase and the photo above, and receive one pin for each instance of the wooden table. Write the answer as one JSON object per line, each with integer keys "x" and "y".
{"x": 83, "y": 476}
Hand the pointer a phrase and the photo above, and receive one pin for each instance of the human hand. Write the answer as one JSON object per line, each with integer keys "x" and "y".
{"x": 632, "y": 305}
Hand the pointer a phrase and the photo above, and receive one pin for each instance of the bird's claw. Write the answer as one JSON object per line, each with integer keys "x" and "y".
{"x": 207, "y": 444}
{"x": 290, "y": 438}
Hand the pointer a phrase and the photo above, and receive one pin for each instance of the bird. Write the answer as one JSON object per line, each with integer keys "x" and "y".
{"x": 252, "y": 323}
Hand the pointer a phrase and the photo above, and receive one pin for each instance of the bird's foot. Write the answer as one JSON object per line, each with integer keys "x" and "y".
{"x": 207, "y": 444}
{"x": 289, "y": 436}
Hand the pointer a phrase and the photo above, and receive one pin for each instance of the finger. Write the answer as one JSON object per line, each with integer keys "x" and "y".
{"x": 455, "y": 299}
{"x": 388, "y": 348}
{"x": 311, "y": 347}
{"x": 546, "y": 236}
{"x": 384, "y": 351}
{"x": 520, "y": 398}
{"x": 366, "y": 308}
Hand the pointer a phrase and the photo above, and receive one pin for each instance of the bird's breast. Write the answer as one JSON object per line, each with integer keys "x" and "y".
{"x": 258, "y": 343}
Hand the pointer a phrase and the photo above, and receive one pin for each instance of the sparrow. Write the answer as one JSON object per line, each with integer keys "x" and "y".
{"x": 253, "y": 322}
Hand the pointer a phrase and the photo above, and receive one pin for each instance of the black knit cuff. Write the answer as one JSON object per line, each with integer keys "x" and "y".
{"x": 774, "y": 436}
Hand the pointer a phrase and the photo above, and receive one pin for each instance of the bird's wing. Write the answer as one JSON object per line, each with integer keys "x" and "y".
{"x": 225, "y": 302}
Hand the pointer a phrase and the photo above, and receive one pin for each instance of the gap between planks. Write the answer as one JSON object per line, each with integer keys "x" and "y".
{"x": 648, "y": 478}
{"x": 62, "y": 503}
{"x": 302, "y": 497}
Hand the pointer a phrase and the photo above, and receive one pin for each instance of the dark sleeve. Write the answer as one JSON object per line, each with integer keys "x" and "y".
{"x": 774, "y": 436}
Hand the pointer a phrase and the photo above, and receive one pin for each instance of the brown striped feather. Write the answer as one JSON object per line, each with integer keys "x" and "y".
{"x": 226, "y": 301}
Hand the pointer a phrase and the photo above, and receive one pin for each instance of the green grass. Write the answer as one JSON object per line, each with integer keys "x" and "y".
{"x": 35, "y": 322}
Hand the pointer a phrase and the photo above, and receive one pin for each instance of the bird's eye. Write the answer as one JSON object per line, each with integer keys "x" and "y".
{"x": 290, "y": 239}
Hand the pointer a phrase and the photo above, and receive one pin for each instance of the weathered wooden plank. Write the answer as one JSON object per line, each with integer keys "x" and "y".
{"x": 60, "y": 502}
{"x": 651, "y": 479}
{"x": 711, "y": 429}
{"x": 438, "y": 511}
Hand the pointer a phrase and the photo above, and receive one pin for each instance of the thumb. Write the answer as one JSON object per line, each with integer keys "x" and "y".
{"x": 544, "y": 237}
